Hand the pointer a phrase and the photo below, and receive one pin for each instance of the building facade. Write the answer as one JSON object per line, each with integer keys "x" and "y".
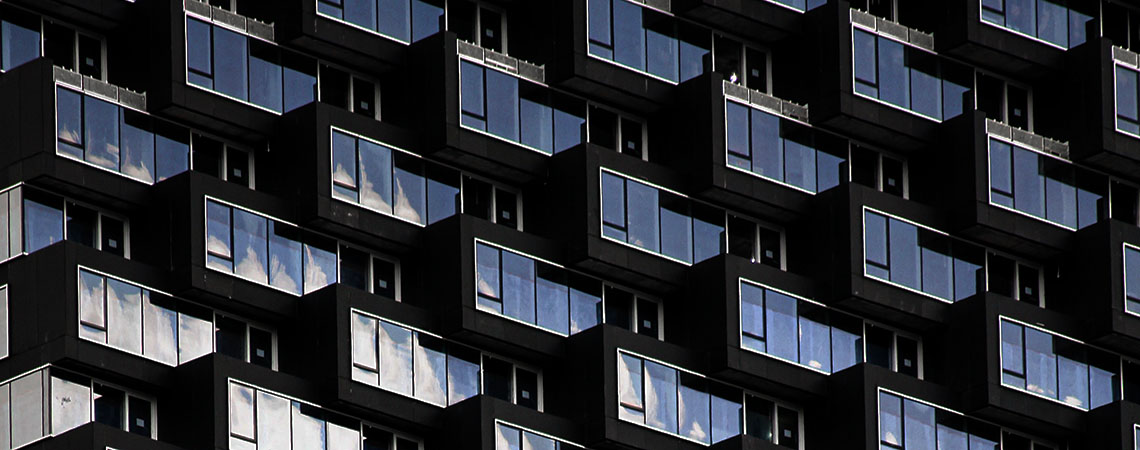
{"x": 570, "y": 224}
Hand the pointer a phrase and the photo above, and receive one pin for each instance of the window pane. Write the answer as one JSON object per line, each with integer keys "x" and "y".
{"x": 1126, "y": 94}
{"x": 1028, "y": 183}
{"x": 925, "y": 85}
{"x": 124, "y": 316}
{"x": 535, "y": 442}
{"x": 70, "y": 405}
{"x": 585, "y": 306}
{"x": 676, "y": 227}
{"x": 241, "y": 411}
{"x": 767, "y": 147}
{"x": 160, "y": 327}
{"x": 272, "y": 422}
{"x": 375, "y": 176}
{"x": 783, "y": 334}
{"x": 442, "y": 193}
{"x": 487, "y": 272}
{"x": 250, "y": 246}
{"x": 1053, "y": 22}
{"x": 815, "y": 342}
{"x": 20, "y": 44}
{"x": 5, "y": 416}
{"x": 462, "y": 375}
{"x": 69, "y": 122}
{"x": 300, "y": 83}
{"x": 752, "y": 317}
{"x": 895, "y": 84}
{"x": 552, "y": 299}
{"x": 693, "y": 408}
{"x": 1073, "y": 382}
{"x": 875, "y": 240}
{"x": 660, "y": 46}
{"x": 736, "y": 131}
{"x": 643, "y": 221}
{"x": 890, "y": 419}
{"x": 195, "y": 337}
{"x": 599, "y": 21}
{"x": 218, "y": 229}
{"x": 199, "y": 55}
{"x": 308, "y": 431}
{"x": 408, "y": 191}
{"x": 1061, "y": 196}
{"x": 661, "y": 397}
{"x": 101, "y": 125}
{"x": 569, "y": 129}
{"x": 265, "y": 76}
{"x": 865, "y": 63}
{"x": 1132, "y": 278}
{"x": 320, "y": 267}
{"x": 430, "y": 370}
{"x": 1012, "y": 352}
{"x": 507, "y": 438}
{"x": 726, "y": 417}
{"x": 230, "y": 63}
{"x": 537, "y": 125}
{"x": 629, "y": 35}
{"x": 918, "y": 425}
{"x": 799, "y": 165}
{"x": 91, "y": 306}
{"x": 341, "y": 438}
{"x": 1020, "y": 16}
{"x": 426, "y": 19}
{"x": 1001, "y": 173}
{"x": 363, "y": 13}
{"x": 629, "y": 379}
{"x": 937, "y": 266}
{"x": 364, "y": 350}
{"x": 284, "y": 258}
{"x": 137, "y": 145}
{"x": 613, "y": 206}
{"x": 396, "y": 358}
{"x": 503, "y": 113}
{"x": 904, "y": 256}
{"x": 1040, "y": 363}
{"x": 471, "y": 92}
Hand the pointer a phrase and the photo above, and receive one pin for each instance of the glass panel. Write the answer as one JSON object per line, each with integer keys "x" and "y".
{"x": 124, "y": 316}
{"x": 241, "y": 411}
{"x": 613, "y": 206}
{"x": 599, "y": 22}
{"x": 70, "y": 405}
{"x": 815, "y": 341}
{"x": 471, "y": 93}
{"x": 918, "y": 425}
{"x": 890, "y": 419}
{"x": 660, "y": 45}
{"x": 799, "y": 165}
{"x": 5, "y": 417}
{"x": 503, "y": 113}
{"x": 661, "y": 397}
{"x": 462, "y": 375}
{"x": 430, "y": 370}
{"x": 629, "y": 379}
{"x": 693, "y": 408}
{"x": 1073, "y": 382}
{"x": 894, "y": 87}
{"x": 507, "y": 438}
{"x": 69, "y": 122}
{"x": 628, "y": 34}
{"x": 937, "y": 266}
{"x": 264, "y": 76}
{"x": 364, "y": 350}
{"x": 904, "y": 254}
{"x": 1012, "y": 349}
{"x": 726, "y": 417}
{"x": 767, "y": 147}
{"x": 427, "y": 19}
{"x": 344, "y": 166}
{"x": 585, "y": 306}
{"x": 1028, "y": 183}
{"x": 195, "y": 337}
{"x": 1126, "y": 95}
{"x": 552, "y": 299}
{"x": 138, "y": 145}
{"x": 342, "y": 438}
{"x": 537, "y": 125}
{"x": 308, "y": 431}
{"x": 284, "y": 258}
{"x": 396, "y": 358}
{"x": 375, "y": 176}
{"x": 676, "y": 227}
{"x": 736, "y": 130}
{"x": 1053, "y": 23}
{"x": 91, "y": 306}
{"x": 27, "y": 408}
{"x": 300, "y": 82}
{"x": 533, "y": 441}
{"x": 218, "y": 229}
{"x": 230, "y": 63}
{"x": 1040, "y": 363}
{"x": 643, "y": 221}
{"x": 487, "y": 272}
{"x": 198, "y": 53}
{"x": 781, "y": 324}
{"x": 160, "y": 327}
{"x": 752, "y": 317}
{"x": 395, "y": 21}
{"x": 442, "y": 193}
{"x": 272, "y": 422}
{"x": 865, "y": 63}
{"x": 1020, "y": 16}
{"x": 101, "y": 125}
{"x": 925, "y": 85}
{"x": 875, "y": 240}
{"x": 408, "y": 189}
{"x": 320, "y": 267}
{"x": 250, "y": 246}
{"x": 20, "y": 44}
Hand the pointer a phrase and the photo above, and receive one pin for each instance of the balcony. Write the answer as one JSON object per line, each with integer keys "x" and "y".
{"x": 1107, "y": 116}
{"x": 1105, "y": 260}
{"x": 765, "y": 21}
{"x": 321, "y": 29}
{"x": 482, "y": 422}
{"x": 861, "y": 388}
{"x": 1018, "y": 190}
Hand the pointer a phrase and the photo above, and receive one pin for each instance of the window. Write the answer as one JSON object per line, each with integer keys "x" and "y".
{"x": 798, "y": 330}
{"x": 262, "y": 419}
{"x": 741, "y": 64}
{"x": 918, "y": 258}
{"x": 270, "y": 252}
{"x": 492, "y": 202}
{"x": 913, "y": 425}
{"x": 479, "y": 23}
{"x": 50, "y": 401}
{"x": 619, "y": 132}
{"x": 1004, "y": 101}
{"x": 19, "y": 38}
{"x": 879, "y": 171}
{"x": 1015, "y": 279}
{"x": 892, "y": 350}
{"x": 781, "y": 149}
{"x": 425, "y": 367}
{"x": 646, "y": 40}
{"x": 1120, "y": 24}
{"x": 534, "y": 292}
{"x": 403, "y": 20}
{"x": 1131, "y": 278}
{"x": 908, "y": 77}
{"x": 151, "y": 324}
{"x": 117, "y": 138}
{"x": 75, "y": 51}
{"x": 4, "y": 322}
{"x": 1045, "y": 20}
{"x": 659, "y": 221}
{"x": 349, "y": 91}
{"x": 1127, "y": 99}
{"x": 247, "y": 69}
{"x": 1056, "y": 367}
{"x": 392, "y": 181}
{"x": 48, "y": 218}
{"x": 513, "y": 437}
{"x": 222, "y": 160}
{"x": 695, "y": 408}
{"x": 1042, "y": 185}
{"x": 518, "y": 110}
{"x": 635, "y": 313}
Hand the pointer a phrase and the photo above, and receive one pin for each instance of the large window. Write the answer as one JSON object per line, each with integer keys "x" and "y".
{"x": 518, "y": 110}
{"x": 1056, "y": 367}
{"x": 1127, "y": 99}
{"x": 422, "y": 366}
{"x": 1047, "y": 20}
{"x": 908, "y": 77}
{"x": 781, "y": 149}
{"x": 695, "y": 408}
{"x": 391, "y": 181}
{"x": 513, "y": 437}
{"x": 913, "y": 425}
{"x": 172, "y": 331}
{"x": 1043, "y": 186}
{"x": 402, "y": 20}
{"x": 660, "y": 221}
{"x": 534, "y": 291}
{"x": 797, "y": 330}
{"x": 19, "y": 38}
{"x": 50, "y": 401}
{"x": 263, "y": 419}
{"x": 646, "y": 40}
{"x": 246, "y": 68}
{"x": 1132, "y": 279}
{"x": 32, "y": 219}
{"x": 918, "y": 258}
{"x": 119, "y": 139}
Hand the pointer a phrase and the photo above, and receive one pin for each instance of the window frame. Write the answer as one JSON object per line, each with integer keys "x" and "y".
{"x": 1068, "y": 11}
{"x": 357, "y": 136}
{"x": 377, "y": 32}
{"x": 1017, "y": 264}
{"x": 644, "y": 72}
{"x": 1116, "y": 63}
{"x": 500, "y": 422}
{"x": 990, "y": 188}
{"x": 906, "y": 45}
{"x": 888, "y": 216}
{"x": 1006, "y": 83}
{"x": 1126, "y": 247}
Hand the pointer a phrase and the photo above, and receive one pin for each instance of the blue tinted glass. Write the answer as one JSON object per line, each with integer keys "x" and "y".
{"x": 752, "y": 317}
{"x": 952, "y": 95}
{"x": 284, "y": 258}
{"x": 676, "y": 228}
{"x": 736, "y": 129}
{"x": 641, "y": 203}
{"x": 1086, "y": 208}
{"x": 1053, "y": 23}
{"x": 613, "y": 206}
{"x": 951, "y": 439}
{"x": 1061, "y": 202}
{"x": 332, "y": 10}
{"x": 1102, "y": 387}
{"x": 815, "y": 344}
{"x": 726, "y": 415}
{"x": 552, "y": 300}
{"x": 569, "y": 129}
{"x": 694, "y": 409}
{"x": 629, "y": 35}
{"x": 846, "y": 349}
{"x": 904, "y": 253}
{"x": 43, "y": 223}
{"x": 218, "y": 229}
{"x": 101, "y": 123}
{"x": 171, "y": 154}
{"x": 937, "y": 274}
{"x": 918, "y": 426}
{"x": 487, "y": 271}
{"x": 230, "y": 69}
{"x": 395, "y": 18}
{"x": 408, "y": 191}
{"x": 537, "y": 125}
{"x": 199, "y": 53}
{"x": 661, "y": 53}
{"x": 442, "y": 196}
{"x": 1001, "y": 172}
{"x": 1040, "y": 363}
{"x": 1028, "y": 183}
{"x": 661, "y": 397}
{"x": 599, "y": 21}
{"x": 781, "y": 325}
{"x": 518, "y": 286}
{"x": 250, "y": 246}
{"x": 767, "y": 147}
{"x": 137, "y": 145}
{"x": 375, "y": 176}
{"x": 1077, "y": 28}
{"x": 320, "y": 268}
{"x": 799, "y": 165}
{"x": 926, "y": 88}
{"x": 471, "y": 91}
{"x": 585, "y": 311}
{"x": 965, "y": 278}
{"x": 462, "y": 377}
{"x": 875, "y": 238}
{"x": 865, "y": 63}
{"x": 890, "y": 419}
{"x": 265, "y": 77}
{"x": 993, "y": 16}
{"x": 20, "y": 44}
{"x": 69, "y": 122}
{"x": 828, "y": 171}
{"x": 1126, "y": 94}
{"x": 1020, "y": 15}
{"x": 1132, "y": 274}
{"x": 363, "y": 13}
{"x": 1073, "y": 382}
{"x": 503, "y": 110}
{"x": 707, "y": 238}
{"x": 427, "y": 19}
{"x": 300, "y": 88}
{"x": 1012, "y": 348}
{"x": 894, "y": 87}
{"x": 692, "y": 60}
{"x": 344, "y": 166}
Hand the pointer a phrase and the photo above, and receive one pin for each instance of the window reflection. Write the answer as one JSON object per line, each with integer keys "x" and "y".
{"x": 404, "y": 20}
{"x": 646, "y": 40}
{"x": 907, "y": 77}
{"x": 781, "y": 149}
{"x": 1043, "y": 186}
{"x": 659, "y": 221}
{"x": 920, "y": 259}
{"x": 511, "y": 437}
{"x": 1057, "y": 368}
{"x": 19, "y": 40}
